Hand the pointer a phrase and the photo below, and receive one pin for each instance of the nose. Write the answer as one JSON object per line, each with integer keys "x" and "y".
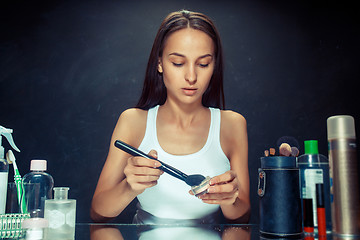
{"x": 190, "y": 75}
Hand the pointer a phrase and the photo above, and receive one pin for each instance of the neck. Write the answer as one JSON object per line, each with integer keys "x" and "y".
{"x": 182, "y": 115}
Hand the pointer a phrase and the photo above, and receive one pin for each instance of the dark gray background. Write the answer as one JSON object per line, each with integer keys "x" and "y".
{"x": 69, "y": 68}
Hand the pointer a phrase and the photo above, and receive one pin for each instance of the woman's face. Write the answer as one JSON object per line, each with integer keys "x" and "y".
{"x": 187, "y": 64}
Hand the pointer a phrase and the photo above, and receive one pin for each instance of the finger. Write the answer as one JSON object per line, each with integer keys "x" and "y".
{"x": 142, "y": 182}
{"x": 144, "y": 162}
{"x": 221, "y": 201}
{"x": 153, "y": 153}
{"x": 217, "y": 196}
{"x": 223, "y": 188}
{"x": 223, "y": 178}
{"x": 144, "y": 179}
{"x": 131, "y": 170}
{"x": 141, "y": 186}
{"x": 146, "y": 171}
{"x": 149, "y": 184}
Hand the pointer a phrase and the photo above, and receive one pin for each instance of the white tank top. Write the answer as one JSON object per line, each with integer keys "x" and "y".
{"x": 170, "y": 198}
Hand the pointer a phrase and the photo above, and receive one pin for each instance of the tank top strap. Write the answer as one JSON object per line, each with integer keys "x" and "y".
{"x": 151, "y": 120}
{"x": 215, "y": 125}
{"x": 150, "y": 132}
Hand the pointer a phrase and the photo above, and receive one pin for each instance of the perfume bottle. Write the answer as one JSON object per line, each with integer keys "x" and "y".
{"x": 61, "y": 214}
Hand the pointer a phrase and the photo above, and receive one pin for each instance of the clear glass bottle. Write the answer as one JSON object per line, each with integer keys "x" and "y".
{"x": 61, "y": 214}
{"x": 38, "y": 186}
{"x": 314, "y": 169}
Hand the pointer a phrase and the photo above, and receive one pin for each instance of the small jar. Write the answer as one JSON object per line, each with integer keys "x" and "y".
{"x": 35, "y": 228}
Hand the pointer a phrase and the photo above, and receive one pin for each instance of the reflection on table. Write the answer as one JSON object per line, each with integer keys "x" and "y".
{"x": 85, "y": 231}
{"x": 141, "y": 232}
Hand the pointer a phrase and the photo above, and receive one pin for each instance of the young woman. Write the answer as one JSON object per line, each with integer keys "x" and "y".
{"x": 178, "y": 120}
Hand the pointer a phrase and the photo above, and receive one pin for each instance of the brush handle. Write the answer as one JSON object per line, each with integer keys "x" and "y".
{"x": 20, "y": 193}
{"x": 19, "y": 189}
{"x": 164, "y": 167}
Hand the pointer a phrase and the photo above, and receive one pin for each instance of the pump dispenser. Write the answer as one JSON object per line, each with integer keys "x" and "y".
{"x": 4, "y": 166}
{"x": 6, "y": 132}
{"x": 61, "y": 213}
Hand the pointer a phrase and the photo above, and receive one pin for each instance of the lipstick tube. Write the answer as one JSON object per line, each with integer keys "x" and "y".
{"x": 320, "y": 206}
{"x": 308, "y": 216}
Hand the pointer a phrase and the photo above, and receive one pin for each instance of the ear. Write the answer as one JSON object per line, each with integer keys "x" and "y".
{"x": 160, "y": 68}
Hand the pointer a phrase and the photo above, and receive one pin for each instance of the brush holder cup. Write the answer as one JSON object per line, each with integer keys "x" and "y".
{"x": 279, "y": 192}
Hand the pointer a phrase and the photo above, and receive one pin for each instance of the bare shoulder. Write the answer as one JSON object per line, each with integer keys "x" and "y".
{"x": 233, "y": 132}
{"x": 133, "y": 116}
{"x": 131, "y": 125}
{"x": 232, "y": 120}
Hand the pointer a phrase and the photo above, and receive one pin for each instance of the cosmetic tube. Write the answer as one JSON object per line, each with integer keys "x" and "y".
{"x": 320, "y": 206}
{"x": 308, "y": 216}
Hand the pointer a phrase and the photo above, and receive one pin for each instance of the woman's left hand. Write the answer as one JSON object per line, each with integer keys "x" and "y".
{"x": 223, "y": 189}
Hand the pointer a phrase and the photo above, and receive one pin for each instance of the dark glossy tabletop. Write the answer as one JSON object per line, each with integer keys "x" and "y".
{"x": 181, "y": 232}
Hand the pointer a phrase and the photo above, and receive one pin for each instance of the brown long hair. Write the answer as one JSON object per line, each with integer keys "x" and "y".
{"x": 154, "y": 90}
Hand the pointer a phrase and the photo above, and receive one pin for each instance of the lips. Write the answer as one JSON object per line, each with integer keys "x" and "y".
{"x": 189, "y": 91}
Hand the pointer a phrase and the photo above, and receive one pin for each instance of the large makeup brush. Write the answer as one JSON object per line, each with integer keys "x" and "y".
{"x": 191, "y": 180}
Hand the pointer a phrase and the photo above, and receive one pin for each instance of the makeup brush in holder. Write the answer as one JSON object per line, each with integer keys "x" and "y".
{"x": 280, "y": 204}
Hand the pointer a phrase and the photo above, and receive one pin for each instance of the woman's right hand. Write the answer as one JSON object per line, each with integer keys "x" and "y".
{"x": 142, "y": 173}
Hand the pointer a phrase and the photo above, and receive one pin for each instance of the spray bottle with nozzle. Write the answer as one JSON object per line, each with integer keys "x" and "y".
{"x": 4, "y": 166}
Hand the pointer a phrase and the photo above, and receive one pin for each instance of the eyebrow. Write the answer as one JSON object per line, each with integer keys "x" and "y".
{"x": 181, "y": 55}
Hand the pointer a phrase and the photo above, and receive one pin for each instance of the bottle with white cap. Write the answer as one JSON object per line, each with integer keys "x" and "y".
{"x": 38, "y": 185}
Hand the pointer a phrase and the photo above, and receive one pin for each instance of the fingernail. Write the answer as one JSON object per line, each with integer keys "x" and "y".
{"x": 157, "y": 164}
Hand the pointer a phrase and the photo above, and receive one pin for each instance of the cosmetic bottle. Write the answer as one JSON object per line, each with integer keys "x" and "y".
{"x": 38, "y": 185}
{"x": 314, "y": 169}
{"x": 4, "y": 166}
{"x": 4, "y": 170}
{"x": 61, "y": 214}
{"x": 344, "y": 172}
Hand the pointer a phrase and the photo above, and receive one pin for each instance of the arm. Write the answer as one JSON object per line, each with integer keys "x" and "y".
{"x": 123, "y": 177}
{"x": 231, "y": 189}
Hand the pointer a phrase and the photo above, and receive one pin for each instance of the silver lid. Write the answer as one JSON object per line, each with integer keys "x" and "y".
{"x": 341, "y": 126}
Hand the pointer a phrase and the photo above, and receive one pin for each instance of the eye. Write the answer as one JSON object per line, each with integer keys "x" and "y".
{"x": 177, "y": 64}
{"x": 204, "y": 65}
